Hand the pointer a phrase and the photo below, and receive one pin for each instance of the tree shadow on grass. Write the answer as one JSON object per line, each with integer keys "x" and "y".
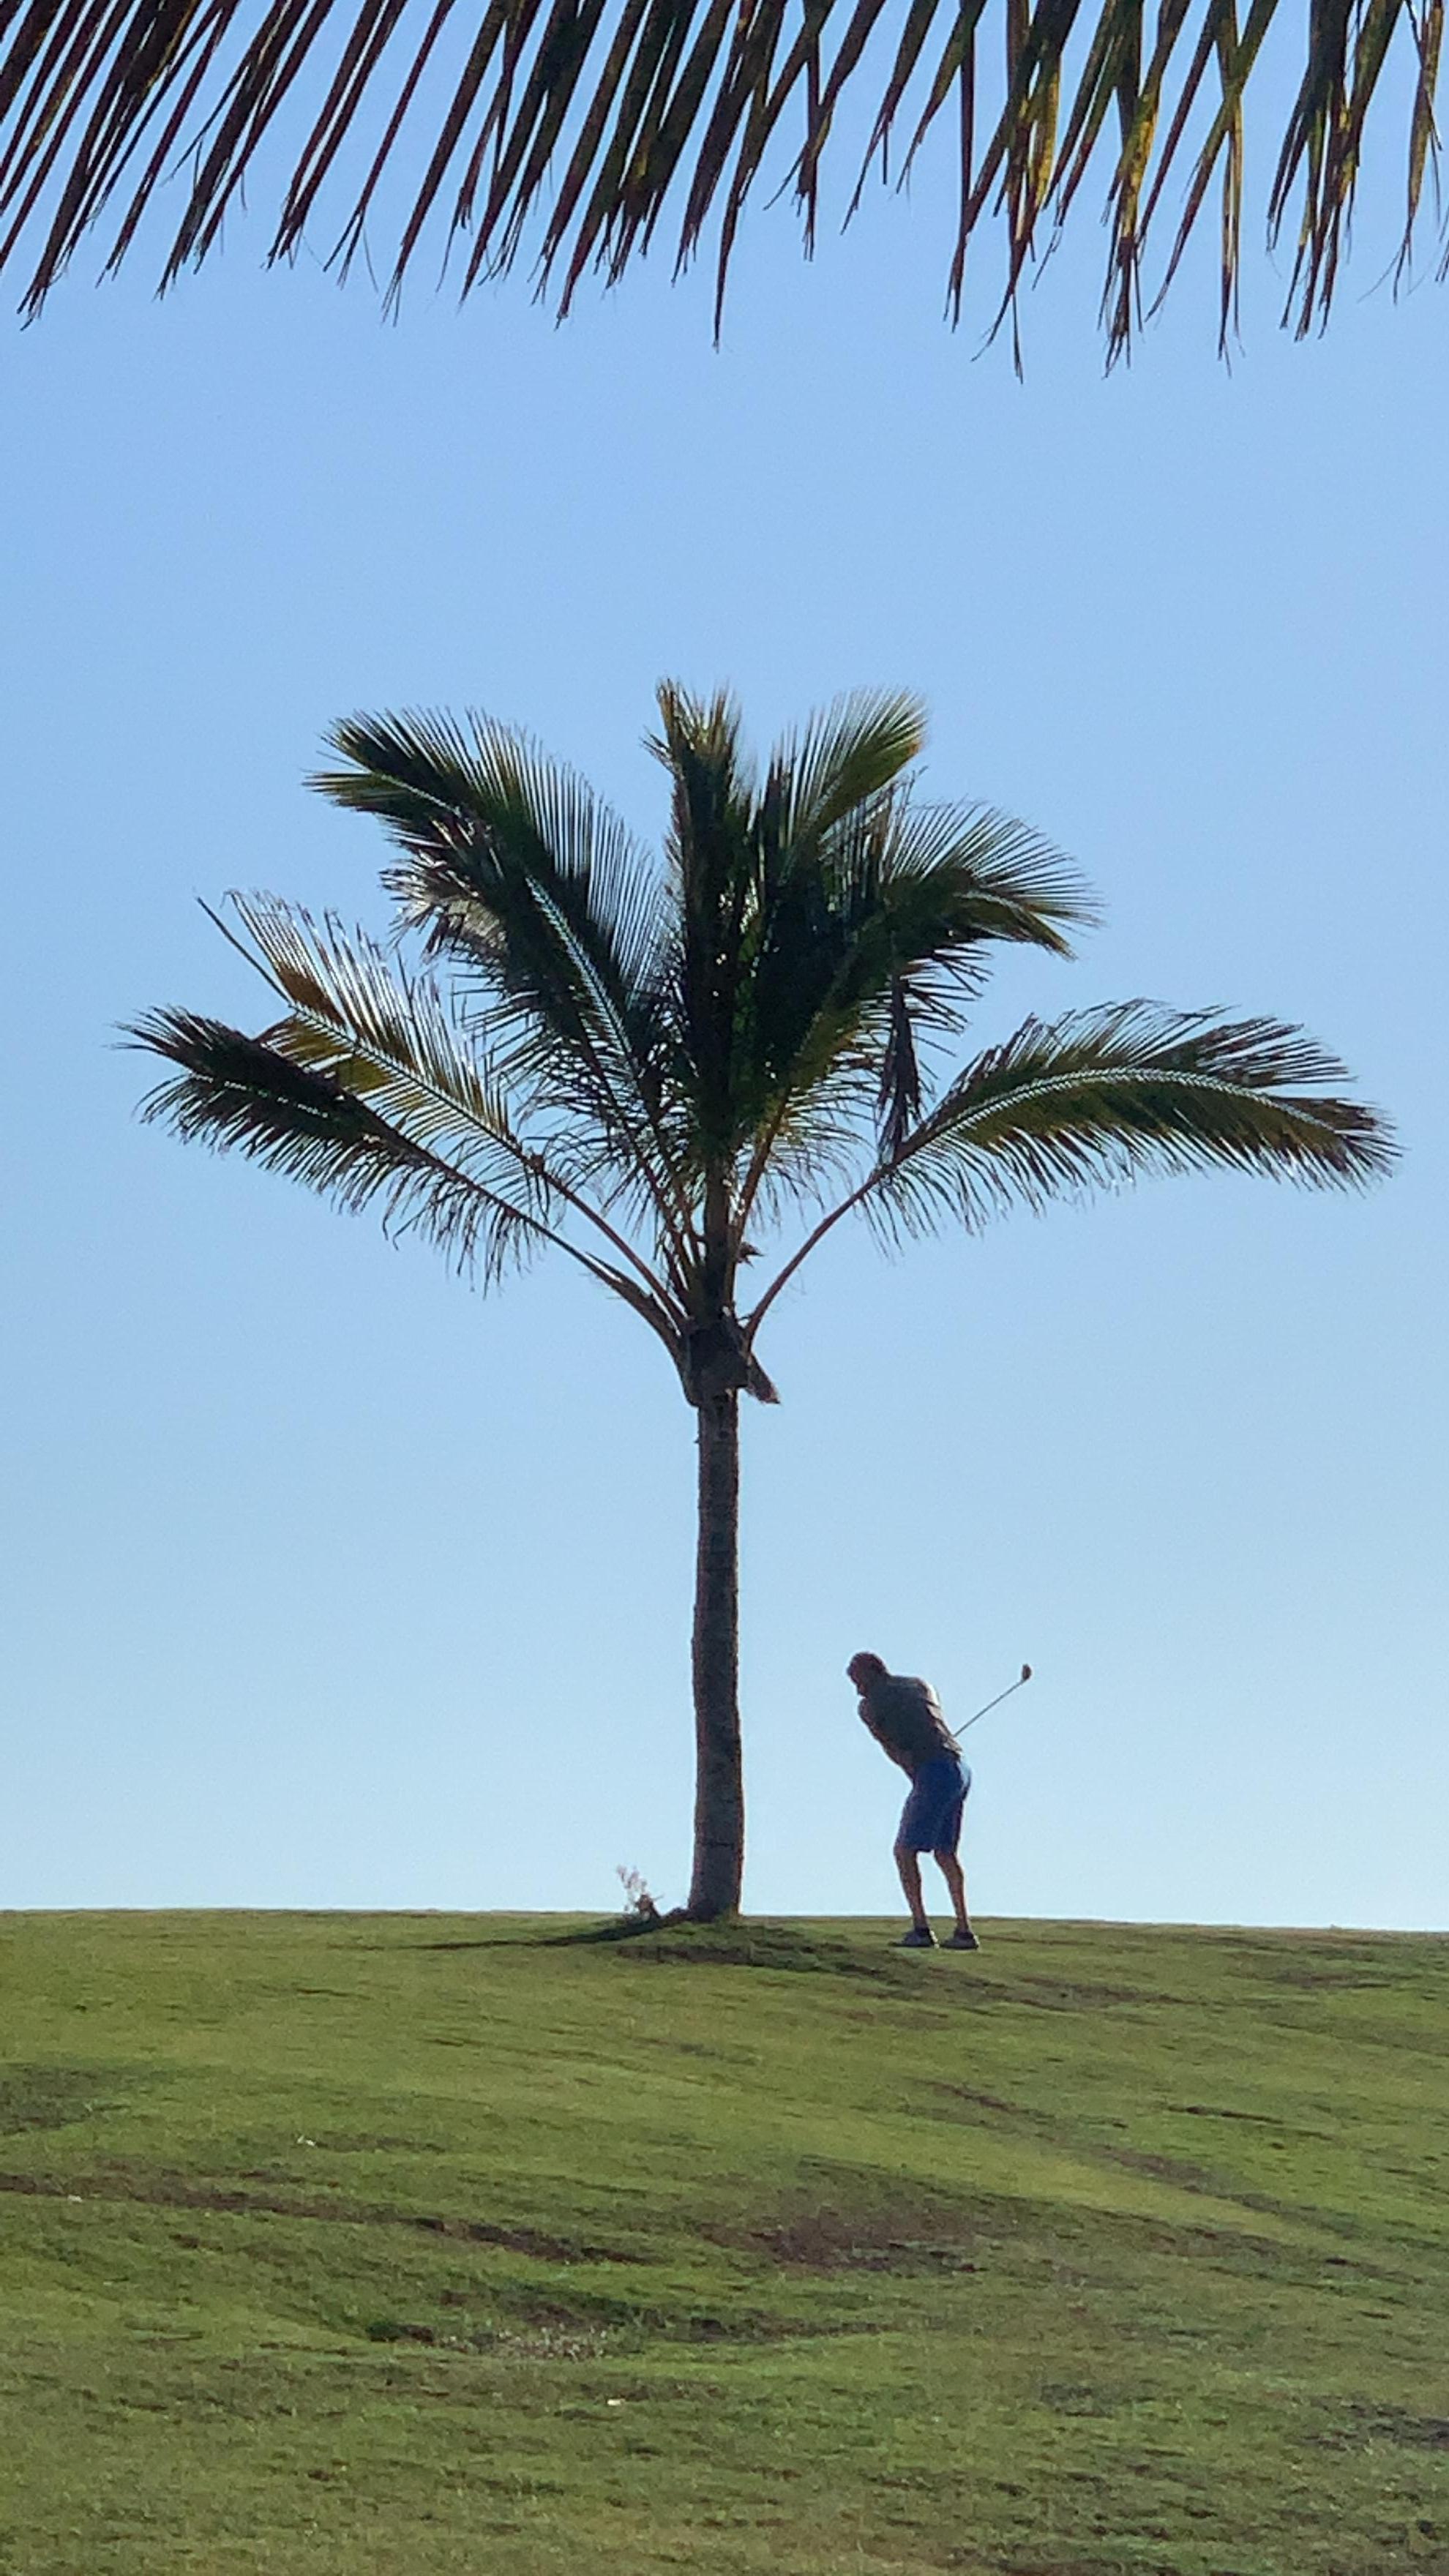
{"x": 737, "y": 1942}
{"x": 676, "y": 1940}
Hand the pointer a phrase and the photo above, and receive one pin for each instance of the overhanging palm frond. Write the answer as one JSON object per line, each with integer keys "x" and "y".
{"x": 564, "y": 128}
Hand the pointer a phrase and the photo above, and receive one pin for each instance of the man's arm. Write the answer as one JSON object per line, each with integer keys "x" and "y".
{"x": 890, "y": 1751}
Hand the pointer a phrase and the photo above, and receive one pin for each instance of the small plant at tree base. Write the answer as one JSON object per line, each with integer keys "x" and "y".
{"x": 639, "y": 1905}
{"x": 649, "y": 1068}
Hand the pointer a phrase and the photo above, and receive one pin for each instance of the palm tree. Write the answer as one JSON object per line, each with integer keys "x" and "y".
{"x": 561, "y": 127}
{"x": 652, "y": 1070}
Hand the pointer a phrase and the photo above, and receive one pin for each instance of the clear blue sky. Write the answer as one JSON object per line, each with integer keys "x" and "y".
{"x": 331, "y": 1584}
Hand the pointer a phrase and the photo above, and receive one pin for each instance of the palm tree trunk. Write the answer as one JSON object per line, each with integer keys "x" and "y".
{"x": 719, "y": 1797}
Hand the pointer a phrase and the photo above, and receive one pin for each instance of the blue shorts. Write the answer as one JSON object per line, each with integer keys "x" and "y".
{"x": 931, "y": 1816}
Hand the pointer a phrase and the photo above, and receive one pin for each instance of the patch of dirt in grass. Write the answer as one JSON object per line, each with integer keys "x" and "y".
{"x": 148, "y": 2188}
{"x": 919, "y": 2238}
{"x": 1313, "y": 1980}
{"x": 982, "y": 2101}
{"x": 382, "y": 2146}
{"x": 863, "y": 2229}
{"x": 1170, "y": 2169}
{"x": 1056, "y": 2566}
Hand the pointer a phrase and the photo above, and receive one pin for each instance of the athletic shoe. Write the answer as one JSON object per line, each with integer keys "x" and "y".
{"x": 962, "y": 1941}
{"x": 919, "y": 1937}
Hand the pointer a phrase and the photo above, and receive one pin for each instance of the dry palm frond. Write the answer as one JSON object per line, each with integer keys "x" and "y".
{"x": 569, "y": 127}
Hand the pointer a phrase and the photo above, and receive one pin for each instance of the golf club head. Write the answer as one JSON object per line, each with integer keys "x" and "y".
{"x": 1026, "y": 1672}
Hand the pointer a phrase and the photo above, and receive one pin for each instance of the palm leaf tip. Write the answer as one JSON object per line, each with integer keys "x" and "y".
{"x": 240, "y": 1093}
{"x": 848, "y": 754}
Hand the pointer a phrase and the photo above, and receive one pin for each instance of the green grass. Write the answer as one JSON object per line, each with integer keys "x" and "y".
{"x": 387, "y": 2243}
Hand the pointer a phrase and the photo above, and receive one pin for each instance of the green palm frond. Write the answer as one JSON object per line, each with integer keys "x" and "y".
{"x": 249, "y": 1095}
{"x": 1099, "y": 1097}
{"x": 841, "y": 760}
{"x": 480, "y": 804}
{"x": 561, "y": 131}
{"x": 392, "y": 1097}
{"x": 825, "y": 923}
{"x": 874, "y": 943}
{"x": 513, "y": 869}
{"x": 711, "y": 848}
{"x": 390, "y": 1039}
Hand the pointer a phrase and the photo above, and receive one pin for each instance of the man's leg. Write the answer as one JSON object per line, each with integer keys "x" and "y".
{"x": 908, "y": 1863}
{"x": 955, "y": 1878}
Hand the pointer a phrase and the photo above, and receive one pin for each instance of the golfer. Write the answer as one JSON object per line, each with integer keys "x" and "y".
{"x": 905, "y": 1718}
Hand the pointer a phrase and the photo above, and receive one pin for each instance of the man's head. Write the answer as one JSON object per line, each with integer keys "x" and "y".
{"x": 865, "y": 1671}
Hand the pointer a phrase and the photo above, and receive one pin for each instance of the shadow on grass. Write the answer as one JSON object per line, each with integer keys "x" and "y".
{"x": 672, "y": 1940}
{"x": 616, "y": 1928}
{"x": 676, "y": 1940}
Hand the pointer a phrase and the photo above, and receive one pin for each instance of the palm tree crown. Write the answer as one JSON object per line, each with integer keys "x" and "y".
{"x": 653, "y": 1068}
{"x": 566, "y": 128}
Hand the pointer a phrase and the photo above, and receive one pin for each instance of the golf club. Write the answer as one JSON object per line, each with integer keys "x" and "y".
{"x": 1024, "y": 1676}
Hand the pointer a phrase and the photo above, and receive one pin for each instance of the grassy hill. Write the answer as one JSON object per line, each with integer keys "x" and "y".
{"x": 381, "y": 2243}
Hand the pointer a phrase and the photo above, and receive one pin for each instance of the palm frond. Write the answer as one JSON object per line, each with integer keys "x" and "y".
{"x": 515, "y": 128}
{"x": 711, "y": 849}
{"x": 899, "y": 1097}
{"x": 512, "y": 867}
{"x": 395, "y": 1042}
{"x": 391, "y": 1039}
{"x": 841, "y": 760}
{"x": 481, "y": 802}
{"x": 1095, "y": 1099}
{"x": 872, "y": 944}
{"x": 251, "y": 1096}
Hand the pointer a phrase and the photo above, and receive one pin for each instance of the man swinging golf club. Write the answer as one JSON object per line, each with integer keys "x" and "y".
{"x": 905, "y": 1718}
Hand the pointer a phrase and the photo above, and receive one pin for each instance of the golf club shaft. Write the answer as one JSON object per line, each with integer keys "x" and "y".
{"x": 994, "y": 1703}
